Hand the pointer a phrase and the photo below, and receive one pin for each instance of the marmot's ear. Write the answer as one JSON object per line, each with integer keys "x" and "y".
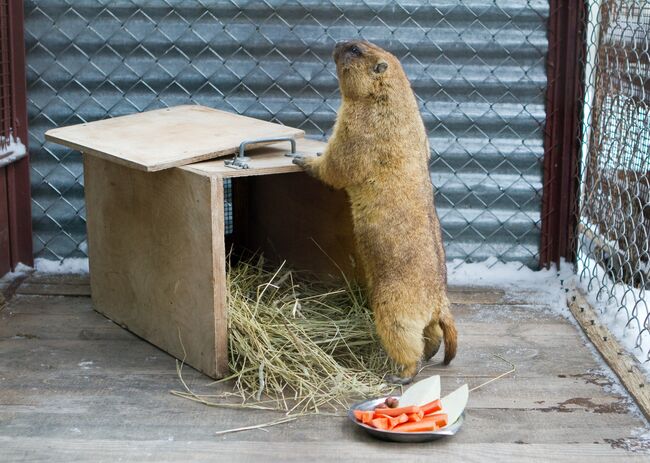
{"x": 380, "y": 67}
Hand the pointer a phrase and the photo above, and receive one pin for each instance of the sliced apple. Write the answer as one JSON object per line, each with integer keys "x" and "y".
{"x": 454, "y": 403}
{"x": 422, "y": 392}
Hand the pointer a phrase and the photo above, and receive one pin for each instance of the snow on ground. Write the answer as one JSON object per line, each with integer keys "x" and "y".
{"x": 20, "y": 270}
{"x": 622, "y": 308}
{"x": 73, "y": 265}
{"x": 549, "y": 285}
{"x": 492, "y": 272}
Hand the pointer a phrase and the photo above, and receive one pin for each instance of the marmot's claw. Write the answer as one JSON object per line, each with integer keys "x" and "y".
{"x": 299, "y": 161}
{"x": 393, "y": 379}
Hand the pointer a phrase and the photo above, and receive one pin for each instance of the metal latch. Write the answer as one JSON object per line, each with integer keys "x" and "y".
{"x": 240, "y": 161}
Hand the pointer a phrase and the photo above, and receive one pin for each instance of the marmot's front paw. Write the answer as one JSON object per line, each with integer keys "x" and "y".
{"x": 307, "y": 164}
{"x": 300, "y": 161}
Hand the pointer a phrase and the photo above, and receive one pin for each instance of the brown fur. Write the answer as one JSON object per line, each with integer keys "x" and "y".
{"x": 379, "y": 154}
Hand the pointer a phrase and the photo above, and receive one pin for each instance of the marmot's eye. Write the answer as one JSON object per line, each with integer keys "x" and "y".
{"x": 354, "y": 49}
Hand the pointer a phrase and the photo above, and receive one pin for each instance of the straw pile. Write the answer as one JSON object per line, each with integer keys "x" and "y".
{"x": 298, "y": 345}
{"x": 301, "y": 343}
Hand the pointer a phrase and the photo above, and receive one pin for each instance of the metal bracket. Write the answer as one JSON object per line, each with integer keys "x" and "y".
{"x": 240, "y": 161}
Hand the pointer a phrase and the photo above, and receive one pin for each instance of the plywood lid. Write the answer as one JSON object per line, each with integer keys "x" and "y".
{"x": 266, "y": 160}
{"x": 164, "y": 138}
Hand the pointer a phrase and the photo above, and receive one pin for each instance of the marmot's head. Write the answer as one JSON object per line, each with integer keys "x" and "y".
{"x": 364, "y": 69}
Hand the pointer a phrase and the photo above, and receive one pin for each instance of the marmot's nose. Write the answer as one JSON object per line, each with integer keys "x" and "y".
{"x": 340, "y": 45}
{"x": 339, "y": 48}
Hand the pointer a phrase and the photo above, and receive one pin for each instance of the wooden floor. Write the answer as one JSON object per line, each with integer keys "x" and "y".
{"x": 76, "y": 387}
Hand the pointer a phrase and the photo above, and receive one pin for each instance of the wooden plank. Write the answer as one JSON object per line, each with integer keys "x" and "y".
{"x": 57, "y": 402}
{"x": 472, "y": 331}
{"x": 459, "y": 294}
{"x": 155, "y": 246}
{"x": 626, "y": 367}
{"x": 476, "y": 298}
{"x": 163, "y": 138}
{"x": 55, "y": 405}
{"x": 53, "y": 305}
{"x": 77, "y": 449}
{"x": 537, "y": 346}
{"x": 85, "y": 375}
{"x": 53, "y": 284}
{"x": 72, "y": 284}
{"x": 537, "y": 357}
{"x": 265, "y": 160}
{"x": 53, "y": 289}
{"x": 59, "y": 279}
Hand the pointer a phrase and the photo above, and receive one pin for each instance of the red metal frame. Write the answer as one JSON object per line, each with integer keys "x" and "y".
{"x": 562, "y": 131}
{"x": 15, "y": 193}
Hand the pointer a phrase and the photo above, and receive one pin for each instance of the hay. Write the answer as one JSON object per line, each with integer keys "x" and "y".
{"x": 300, "y": 344}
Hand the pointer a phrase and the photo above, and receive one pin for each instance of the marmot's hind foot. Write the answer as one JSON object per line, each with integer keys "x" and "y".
{"x": 406, "y": 377}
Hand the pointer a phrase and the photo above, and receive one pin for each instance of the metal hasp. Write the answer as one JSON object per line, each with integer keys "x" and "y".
{"x": 240, "y": 161}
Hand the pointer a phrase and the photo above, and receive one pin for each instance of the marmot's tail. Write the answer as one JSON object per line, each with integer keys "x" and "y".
{"x": 449, "y": 334}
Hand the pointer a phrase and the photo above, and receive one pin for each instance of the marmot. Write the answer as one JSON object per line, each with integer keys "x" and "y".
{"x": 379, "y": 153}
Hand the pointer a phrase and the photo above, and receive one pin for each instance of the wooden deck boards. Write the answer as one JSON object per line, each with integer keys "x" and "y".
{"x": 75, "y": 386}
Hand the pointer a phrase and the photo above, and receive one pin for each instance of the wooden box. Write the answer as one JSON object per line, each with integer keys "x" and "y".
{"x": 156, "y": 237}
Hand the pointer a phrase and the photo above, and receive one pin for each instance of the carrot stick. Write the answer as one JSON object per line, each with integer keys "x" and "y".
{"x": 380, "y": 423}
{"x": 415, "y": 417}
{"x": 397, "y": 411}
{"x": 395, "y": 420}
{"x": 365, "y": 416}
{"x": 420, "y": 426}
{"x": 432, "y": 407}
{"x": 428, "y": 423}
{"x": 439, "y": 419}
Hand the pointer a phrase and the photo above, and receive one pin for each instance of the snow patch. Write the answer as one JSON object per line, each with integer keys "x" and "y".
{"x": 71, "y": 265}
{"x": 548, "y": 285}
{"x": 11, "y": 149}
{"x": 21, "y": 269}
{"x": 492, "y": 272}
{"x": 621, "y": 308}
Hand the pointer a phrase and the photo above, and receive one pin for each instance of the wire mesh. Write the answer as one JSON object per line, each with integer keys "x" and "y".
{"x": 614, "y": 214}
{"x": 477, "y": 68}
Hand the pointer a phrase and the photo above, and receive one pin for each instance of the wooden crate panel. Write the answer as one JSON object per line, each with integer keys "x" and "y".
{"x": 164, "y": 138}
{"x": 157, "y": 258}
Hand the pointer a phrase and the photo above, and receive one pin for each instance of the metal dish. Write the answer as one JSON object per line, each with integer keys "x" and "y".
{"x": 401, "y": 436}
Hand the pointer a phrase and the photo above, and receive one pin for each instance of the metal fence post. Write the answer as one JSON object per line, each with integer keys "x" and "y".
{"x": 18, "y": 181}
{"x": 561, "y": 138}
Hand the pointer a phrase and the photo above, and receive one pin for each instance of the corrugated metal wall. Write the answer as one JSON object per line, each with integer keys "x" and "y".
{"x": 477, "y": 67}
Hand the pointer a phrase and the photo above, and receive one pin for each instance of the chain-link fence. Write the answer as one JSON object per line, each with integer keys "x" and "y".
{"x": 477, "y": 67}
{"x": 614, "y": 214}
